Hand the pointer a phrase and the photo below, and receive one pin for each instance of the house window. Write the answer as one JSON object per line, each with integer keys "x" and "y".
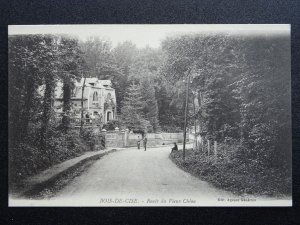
{"x": 95, "y": 96}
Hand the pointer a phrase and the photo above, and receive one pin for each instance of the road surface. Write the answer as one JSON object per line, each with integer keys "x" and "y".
{"x": 140, "y": 178}
{"x": 132, "y": 177}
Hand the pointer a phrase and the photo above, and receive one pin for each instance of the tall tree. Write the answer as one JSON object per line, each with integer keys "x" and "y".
{"x": 146, "y": 64}
{"x": 49, "y": 54}
{"x": 124, "y": 54}
{"x": 263, "y": 88}
{"x": 211, "y": 63}
{"x": 132, "y": 110}
{"x": 71, "y": 69}
{"x": 26, "y": 69}
{"x": 150, "y": 108}
{"x": 98, "y": 57}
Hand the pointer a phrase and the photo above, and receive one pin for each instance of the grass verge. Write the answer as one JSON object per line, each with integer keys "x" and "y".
{"x": 48, "y": 189}
{"x": 232, "y": 175}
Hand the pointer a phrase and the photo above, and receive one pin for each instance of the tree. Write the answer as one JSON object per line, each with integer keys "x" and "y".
{"x": 49, "y": 53}
{"x": 26, "y": 67}
{"x": 146, "y": 64}
{"x": 98, "y": 57}
{"x": 263, "y": 88}
{"x": 132, "y": 110}
{"x": 71, "y": 69}
{"x": 150, "y": 108}
{"x": 32, "y": 63}
{"x": 212, "y": 64}
{"x": 124, "y": 54}
{"x": 243, "y": 91}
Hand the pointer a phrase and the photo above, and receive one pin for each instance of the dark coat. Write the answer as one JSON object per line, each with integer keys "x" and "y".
{"x": 175, "y": 148}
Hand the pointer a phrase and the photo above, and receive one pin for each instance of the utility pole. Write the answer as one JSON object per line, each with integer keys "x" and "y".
{"x": 82, "y": 116}
{"x": 195, "y": 122}
{"x": 185, "y": 114}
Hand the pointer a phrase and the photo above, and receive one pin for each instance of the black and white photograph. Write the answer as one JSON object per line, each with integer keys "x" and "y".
{"x": 150, "y": 115}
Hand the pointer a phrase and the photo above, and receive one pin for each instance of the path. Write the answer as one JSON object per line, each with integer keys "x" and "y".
{"x": 146, "y": 175}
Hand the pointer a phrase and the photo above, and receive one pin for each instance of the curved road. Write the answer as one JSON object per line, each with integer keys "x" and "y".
{"x": 133, "y": 177}
{"x": 140, "y": 178}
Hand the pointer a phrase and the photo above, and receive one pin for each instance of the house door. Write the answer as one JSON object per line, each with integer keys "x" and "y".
{"x": 108, "y": 116}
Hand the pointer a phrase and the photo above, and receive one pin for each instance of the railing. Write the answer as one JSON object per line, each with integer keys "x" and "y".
{"x": 76, "y": 121}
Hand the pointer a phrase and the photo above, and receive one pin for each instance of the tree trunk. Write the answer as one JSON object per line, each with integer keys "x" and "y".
{"x": 49, "y": 87}
{"x": 195, "y": 122}
{"x": 66, "y": 120}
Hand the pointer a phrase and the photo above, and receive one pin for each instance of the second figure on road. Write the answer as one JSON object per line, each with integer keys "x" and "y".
{"x": 145, "y": 143}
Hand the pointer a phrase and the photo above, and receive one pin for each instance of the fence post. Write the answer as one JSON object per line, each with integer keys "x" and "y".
{"x": 202, "y": 145}
{"x": 215, "y": 147}
{"x": 208, "y": 147}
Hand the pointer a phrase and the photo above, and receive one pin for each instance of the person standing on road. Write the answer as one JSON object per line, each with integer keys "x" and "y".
{"x": 145, "y": 142}
{"x": 138, "y": 142}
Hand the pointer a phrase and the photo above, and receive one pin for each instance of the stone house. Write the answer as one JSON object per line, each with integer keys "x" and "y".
{"x": 99, "y": 100}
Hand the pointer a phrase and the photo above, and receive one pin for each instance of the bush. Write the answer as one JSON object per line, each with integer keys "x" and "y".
{"x": 24, "y": 160}
{"x": 171, "y": 129}
{"x": 111, "y": 125}
{"x": 28, "y": 157}
{"x": 93, "y": 138}
{"x": 231, "y": 172}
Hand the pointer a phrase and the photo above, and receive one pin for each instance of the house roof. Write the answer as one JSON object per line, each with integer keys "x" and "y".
{"x": 89, "y": 82}
{"x": 105, "y": 82}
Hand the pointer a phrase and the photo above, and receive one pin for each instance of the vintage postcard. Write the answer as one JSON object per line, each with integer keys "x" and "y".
{"x": 150, "y": 115}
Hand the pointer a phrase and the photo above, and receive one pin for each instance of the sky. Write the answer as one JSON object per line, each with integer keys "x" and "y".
{"x": 146, "y": 35}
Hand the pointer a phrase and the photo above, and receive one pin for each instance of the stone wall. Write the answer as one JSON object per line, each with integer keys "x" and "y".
{"x": 123, "y": 138}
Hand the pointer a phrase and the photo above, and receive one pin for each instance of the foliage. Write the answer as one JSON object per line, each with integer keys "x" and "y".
{"x": 243, "y": 91}
{"x": 239, "y": 94}
{"x": 124, "y": 54}
{"x": 146, "y": 65}
{"x": 150, "y": 108}
{"x": 132, "y": 110}
{"x": 71, "y": 68}
{"x": 234, "y": 174}
{"x": 27, "y": 69}
{"x": 37, "y": 63}
{"x": 99, "y": 58}
{"x": 93, "y": 138}
{"x": 27, "y": 158}
{"x": 111, "y": 125}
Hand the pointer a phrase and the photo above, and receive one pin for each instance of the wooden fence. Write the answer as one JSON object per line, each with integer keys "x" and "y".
{"x": 206, "y": 145}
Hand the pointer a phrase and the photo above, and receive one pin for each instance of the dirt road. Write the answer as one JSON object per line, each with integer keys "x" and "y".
{"x": 133, "y": 177}
{"x": 149, "y": 177}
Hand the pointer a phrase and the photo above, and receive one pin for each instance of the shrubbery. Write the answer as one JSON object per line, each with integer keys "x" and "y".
{"x": 111, "y": 125}
{"x": 238, "y": 175}
{"x": 93, "y": 139}
{"x": 28, "y": 158}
